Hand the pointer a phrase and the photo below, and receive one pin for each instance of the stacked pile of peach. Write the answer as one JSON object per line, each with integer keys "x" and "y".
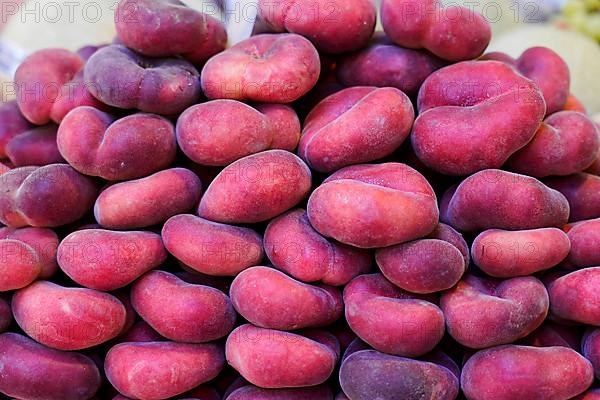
{"x": 284, "y": 219}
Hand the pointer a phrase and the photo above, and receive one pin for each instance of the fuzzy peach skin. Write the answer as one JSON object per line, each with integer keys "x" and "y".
{"x": 210, "y": 247}
{"x": 374, "y": 205}
{"x": 483, "y": 312}
{"x": 566, "y": 143}
{"x": 487, "y": 97}
{"x": 173, "y": 368}
{"x": 213, "y": 42}
{"x": 33, "y": 371}
{"x": 218, "y": 132}
{"x": 159, "y": 28}
{"x": 336, "y": 26}
{"x": 521, "y": 372}
{"x": 355, "y": 125}
{"x": 96, "y": 143}
{"x": 256, "y": 188}
{"x": 383, "y": 64}
{"x": 167, "y": 28}
{"x": 549, "y": 72}
{"x": 181, "y": 311}
{"x": 294, "y": 247}
{"x": 583, "y": 193}
{"x": 574, "y": 296}
{"x": 269, "y": 68}
{"x": 590, "y": 348}
{"x": 274, "y": 359}
{"x": 369, "y": 374}
{"x": 553, "y": 334}
{"x": 449, "y": 234}
{"x": 34, "y": 147}
{"x": 422, "y": 266}
{"x": 20, "y": 265}
{"x": 250, "y": 392}
{"x": 12, "y": 123}
{"x": 107, "y": 260}
{"x": 270, "y": 299}
{"x": 498, "y": 199}
{"x": 585, "y": 241}
{"x": 505, "y": 254}
{"x": 73, "y": 94}
{"x": 148, "y": 201}
{"x": 390, "y": 319}
{"x": 39, "y": 79}
{"x": 67, "y": 318}
{"x": 453, "y": 33}
{"x": 48, "y": 196}
{"x": 119, "y": 77}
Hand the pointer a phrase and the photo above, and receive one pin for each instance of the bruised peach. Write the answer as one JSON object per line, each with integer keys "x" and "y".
{"x": 97, "y": 144}
{"x": 574, "y": 296}
{"x": 422, "y": 266}
{"x": 67, "y": 318}
{"x": 336, "y": 26}
{"x": 484, "y": 312}
{"x": 49, "y": 196}
{"x": 174, "y": 368}
{"x": 585, "y": 239}
{"x": 34, "y": 147}
{"x": 383, "y": 64}
{"x": 39, "y": 79}
{"x": 355, "y": 125}
{"x": 269, "y": 68}
{"x": 33, "y": 371}
{"x": 374, "y": 205}
{"x": 270, "y": 299}
{"x": 219, "y": 132}
{"x": 567, "y": 142}
{"x": 274, "y": 359}
{"x": 294, "y": 247}
{"x": 505, "y": 254}
{"x": 148, "y": 201}
{"x": 124, "y": 79}
{"x": 453, "y": 32}
{"x": 583, "y": 193}
{"x": 107, "y": 260}
{"x": 390, "y": 319}
{"x": 256, "y": 188}
{"x": 498, "y": 199}
{"x": 210, "y": 247}
{"x": 369, "y": 374}
{"x": 487, "y": 97}
{"x": 181, "y": 311}
{"x": 512, "y": 372}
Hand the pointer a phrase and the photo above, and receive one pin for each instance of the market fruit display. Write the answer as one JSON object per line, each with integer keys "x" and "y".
{"x": 318, "y": 212}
